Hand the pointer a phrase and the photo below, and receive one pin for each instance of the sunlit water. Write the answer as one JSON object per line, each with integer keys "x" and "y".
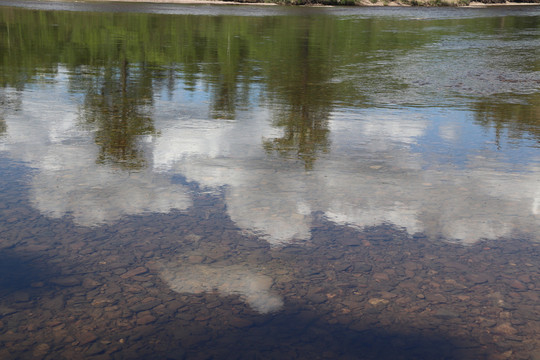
{"x": 269, "y": 182}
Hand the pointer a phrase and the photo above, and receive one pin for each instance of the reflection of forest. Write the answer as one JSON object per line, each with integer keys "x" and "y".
{"x": 9, "y": 102}
{"x": 119, "y": 62}
{"x": 302, "y": 71}
{"x": 3, "y": 105}
{"x": 516, "y": 121}
{"x": 114, "y": 107}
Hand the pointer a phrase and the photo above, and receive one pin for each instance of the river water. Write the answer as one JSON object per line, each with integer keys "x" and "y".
{"x": 246, "y": 182}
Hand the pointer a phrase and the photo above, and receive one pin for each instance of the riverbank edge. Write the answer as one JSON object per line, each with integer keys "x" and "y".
{"x": 330, "y": 3}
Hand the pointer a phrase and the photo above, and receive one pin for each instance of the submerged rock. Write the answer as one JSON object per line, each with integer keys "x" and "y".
{"x": 41, "y": 350}
{"x": 66, "y": 281}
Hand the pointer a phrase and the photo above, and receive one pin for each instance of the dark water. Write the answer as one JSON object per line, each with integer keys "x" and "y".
{"x": 223, "y": 182}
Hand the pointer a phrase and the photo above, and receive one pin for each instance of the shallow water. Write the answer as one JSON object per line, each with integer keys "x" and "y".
{"x": 269, "y": 182}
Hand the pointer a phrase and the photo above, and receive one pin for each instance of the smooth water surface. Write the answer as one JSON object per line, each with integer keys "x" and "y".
{"x": 222, "y": 182}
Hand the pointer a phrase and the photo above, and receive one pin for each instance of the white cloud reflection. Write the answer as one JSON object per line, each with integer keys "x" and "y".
{"x": 67, "y": 180}
{"x": 250, "y": 284}
{"x": 373, "y": 174}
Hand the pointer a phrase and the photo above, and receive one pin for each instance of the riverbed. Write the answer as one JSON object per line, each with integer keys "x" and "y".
{"x": 245, "y": 182}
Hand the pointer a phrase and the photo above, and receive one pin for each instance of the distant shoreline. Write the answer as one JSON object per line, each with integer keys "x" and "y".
{"x": 394, "y": 3}
{"x": 304, "y": 3}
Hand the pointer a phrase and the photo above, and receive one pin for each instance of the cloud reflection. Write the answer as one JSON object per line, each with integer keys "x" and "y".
{"x": 373, "y": 175}
{"x": 252, "y": 286}
{"x": 45, "y": 133}
{"x": 379, "y": 170}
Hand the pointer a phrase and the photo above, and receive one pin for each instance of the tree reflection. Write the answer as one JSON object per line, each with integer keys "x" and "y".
{"x": 305, "y": 126}
{"x": 119, "y": 61}
{"x": 304, "y": 95}
{"x": 9, "y": 103}
{"x": 3, "y": 106}
{"x": 3, "y": 126}
{"x": 227, "y": 67}
{"x": 516, "y": 121}
{"x": 116, "y": 107}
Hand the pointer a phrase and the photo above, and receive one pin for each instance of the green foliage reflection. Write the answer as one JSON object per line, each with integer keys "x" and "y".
{"x": 516, "y": 121}
{"x": 299, "y": 66}
{"x": 305, "y": 97}
{"x": 114, "y": 106}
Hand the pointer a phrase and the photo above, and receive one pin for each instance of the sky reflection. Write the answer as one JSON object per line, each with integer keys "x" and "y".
{"x": 380, "y": 170}
{"x": 46, "y": 134}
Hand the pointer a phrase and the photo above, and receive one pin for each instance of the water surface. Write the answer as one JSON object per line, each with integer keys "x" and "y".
{"x": 253, "y": 182}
